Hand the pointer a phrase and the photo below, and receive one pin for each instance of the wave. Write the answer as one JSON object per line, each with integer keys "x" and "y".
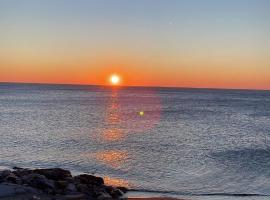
{"x": 248, "y": 158}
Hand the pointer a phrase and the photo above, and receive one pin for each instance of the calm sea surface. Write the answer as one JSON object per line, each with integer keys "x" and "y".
{"x": 167, "y": 140}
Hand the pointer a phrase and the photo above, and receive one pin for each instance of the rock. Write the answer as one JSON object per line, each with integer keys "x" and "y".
{"x": 21, "y": 172}
{"x": 18, "y": 168}
{"x": 4, "y": 174}
{"x": 9, "y": 189}
{"x": 69, "y": 179}
{"x": 55, "y": 184}
{"x": 116, "y": 193}
{"x": 84, "y": 189}
{"x": 104, "y": 196}
{"x": 89, "y": 179}
{"x": 61, "y": 184}
{"x": 108, "y": 189}
{"x": 123, "y": 189}
{"x": 54, "y": 173}
{"x": 38, "y": 181}
{"x": 113, "y": 192}
{"x": 71, "y": 189}
{"x": 12, "y": 178}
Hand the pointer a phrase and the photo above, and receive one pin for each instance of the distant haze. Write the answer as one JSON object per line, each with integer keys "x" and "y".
{"x": 183, "y": 43}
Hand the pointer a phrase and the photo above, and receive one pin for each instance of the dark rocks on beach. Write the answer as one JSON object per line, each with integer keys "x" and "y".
{"x": 89, "y": 179}
{"x": 4, "y": 174}
{"x": 54, "y": 174}
{"x": 12, "y": 178}
{"x": 55, "y": 184}
{"x": 38, "y": 181}
{"x": 10, "y": 189}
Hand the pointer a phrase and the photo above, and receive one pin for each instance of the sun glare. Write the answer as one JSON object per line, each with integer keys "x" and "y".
{"x": 115, "y": 79}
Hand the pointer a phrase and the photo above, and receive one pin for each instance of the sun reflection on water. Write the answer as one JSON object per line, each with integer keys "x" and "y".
{"x": 120, "y": 120}
{"x": 117, "y": 182}
{"x": 113, "y": 158}
{"x": 113, "y": 132}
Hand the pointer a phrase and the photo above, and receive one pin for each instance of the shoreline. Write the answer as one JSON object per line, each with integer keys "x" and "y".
{"x": 61, "y": 184}
{"x": 128, "y": 194}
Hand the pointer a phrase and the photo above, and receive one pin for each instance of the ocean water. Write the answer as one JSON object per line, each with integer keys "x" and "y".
{"x": 170, "y": 141}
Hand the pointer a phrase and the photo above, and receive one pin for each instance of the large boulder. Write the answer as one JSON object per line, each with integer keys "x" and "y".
{"x": 104, "y": 196}
{"x": 89, "y": 179}
{"x": 84, "y": 189}
{"x": 39, "y": 181}
{"x": 71, "y": 189}
{"x": 54, "y": 173}
{"x": 12, "y": 178}
{"x": 61, "y": 184}
{"x": 21, "y": 171}
{"x": 4, "y": 174}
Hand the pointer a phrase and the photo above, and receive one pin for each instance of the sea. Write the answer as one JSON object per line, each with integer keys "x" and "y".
{"x": 174, "y": 142}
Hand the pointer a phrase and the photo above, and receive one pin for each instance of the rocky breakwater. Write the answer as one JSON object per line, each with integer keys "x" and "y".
{"x": 56, "y": 183}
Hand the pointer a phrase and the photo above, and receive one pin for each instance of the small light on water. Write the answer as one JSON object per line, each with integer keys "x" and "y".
{"x": 141, "y": 113}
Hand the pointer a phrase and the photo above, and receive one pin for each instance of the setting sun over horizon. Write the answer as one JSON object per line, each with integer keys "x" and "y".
{"x": 115, "y": 79}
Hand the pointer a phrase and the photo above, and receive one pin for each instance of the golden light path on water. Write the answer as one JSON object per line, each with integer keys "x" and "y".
{"x": 113, "y": 158}
{"x": 113, "y": 120}
{"x": 118, "y": 125}
{"x": 117, "y": 182}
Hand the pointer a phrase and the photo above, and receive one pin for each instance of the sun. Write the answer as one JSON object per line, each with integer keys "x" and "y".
{"x": 115, "y": 79}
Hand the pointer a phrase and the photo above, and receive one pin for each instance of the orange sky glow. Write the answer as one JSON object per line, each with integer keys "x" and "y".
{"x": 139, "y": 74}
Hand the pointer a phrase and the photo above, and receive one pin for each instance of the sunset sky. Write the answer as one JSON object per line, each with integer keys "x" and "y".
{"x": 183, "y": 43}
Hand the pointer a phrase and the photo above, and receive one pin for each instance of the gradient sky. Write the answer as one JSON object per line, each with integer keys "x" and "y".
{"x": 185, "y": 43}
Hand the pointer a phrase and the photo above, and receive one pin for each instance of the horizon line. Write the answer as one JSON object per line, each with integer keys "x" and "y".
{"x": 140, "y": 86}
